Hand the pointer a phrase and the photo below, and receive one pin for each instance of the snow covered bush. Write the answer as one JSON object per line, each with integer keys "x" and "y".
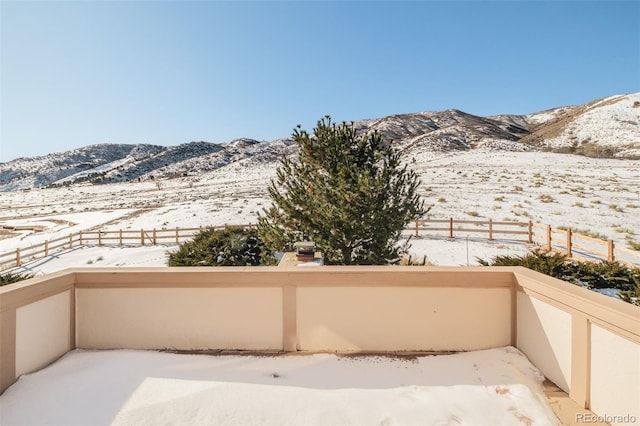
{"x": 223, "y": 247}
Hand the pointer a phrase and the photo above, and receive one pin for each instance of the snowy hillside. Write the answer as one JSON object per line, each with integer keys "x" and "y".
{"x": 613, "y": 122}
{"x": 605, "y": 128}
{"x": 608, "y": 127}
{"x": 450, "y": 130}
{"x": 110, "y": 163}
{"x": 41, "y": 171}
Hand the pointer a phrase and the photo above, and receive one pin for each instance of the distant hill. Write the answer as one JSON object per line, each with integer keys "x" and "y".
{"x": 608, "y": 127}
{"x": 108, "y": 163}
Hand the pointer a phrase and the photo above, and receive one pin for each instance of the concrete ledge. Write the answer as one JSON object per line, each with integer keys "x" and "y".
{"x": 566, "y": 409}
{"x": 289, "y": 259}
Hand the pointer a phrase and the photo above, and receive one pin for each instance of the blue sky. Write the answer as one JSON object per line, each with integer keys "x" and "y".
{"x": 86, "y": 72}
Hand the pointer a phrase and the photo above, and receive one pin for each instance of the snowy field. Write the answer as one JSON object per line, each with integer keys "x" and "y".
{"x": 492, "y": 387}
{"x": 597, "y": 196}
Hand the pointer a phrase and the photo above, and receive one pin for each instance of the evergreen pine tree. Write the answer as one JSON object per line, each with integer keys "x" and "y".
{"x": 347, "y": 192}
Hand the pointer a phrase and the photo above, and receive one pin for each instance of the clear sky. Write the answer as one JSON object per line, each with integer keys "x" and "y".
{"x": 87, "y": 72}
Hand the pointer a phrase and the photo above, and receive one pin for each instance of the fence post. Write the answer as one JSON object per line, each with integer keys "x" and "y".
{"x": 142, "y": 237}
{"x": 177, "y": 235}
{"x": 569, "y": 254}
{"x": 548, "y": 237}
{"x": 451, "y": 228}
{"x": 46, "y": 248}
{"x": 154, "y": 237}
{"x": 530, "y": 232}
{"x": 490, "y": 229}
{"x": 18, "y": 258}
{"x": 80, "y": 235}
{"x": 99, "y": 237}
{"x": 612, "y": 256}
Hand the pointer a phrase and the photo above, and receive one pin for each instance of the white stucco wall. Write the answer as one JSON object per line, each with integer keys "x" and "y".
{"x": 544, "y": 336}
{"x": 403, "y": 318}
{"x": 615, "y": 376}
{"x": 42, "y": 332}
{"x": 180, "y": 318}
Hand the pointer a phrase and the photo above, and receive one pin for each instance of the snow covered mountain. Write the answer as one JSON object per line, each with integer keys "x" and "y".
{"x": 110, "y": 163}
{"x": 608, "y": 127}
{"x": 450, "y": 130}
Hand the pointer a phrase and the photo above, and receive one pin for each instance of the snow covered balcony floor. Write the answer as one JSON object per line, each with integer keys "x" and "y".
{"x": 124, "y": 387}
{"x": 531, "y": 324}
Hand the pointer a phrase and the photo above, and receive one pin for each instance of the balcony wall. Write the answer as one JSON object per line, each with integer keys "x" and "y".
{"x": 586, "y": 343}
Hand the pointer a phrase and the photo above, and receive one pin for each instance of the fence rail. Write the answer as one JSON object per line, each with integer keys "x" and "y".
{"x": 575, "y": 245}
{"x": 118, "y": 237}
{"x": 490, "y": 227}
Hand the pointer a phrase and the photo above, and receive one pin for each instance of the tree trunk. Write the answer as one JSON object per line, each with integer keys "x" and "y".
{"x": 346, "y": 255}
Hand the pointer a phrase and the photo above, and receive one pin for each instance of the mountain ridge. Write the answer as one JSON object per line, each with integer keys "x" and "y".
{"x": 607, "y": 127}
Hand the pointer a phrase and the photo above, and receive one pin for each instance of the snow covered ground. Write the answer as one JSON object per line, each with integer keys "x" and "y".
{"x": 597, "y": 196}
{"x": 492, "y": 387}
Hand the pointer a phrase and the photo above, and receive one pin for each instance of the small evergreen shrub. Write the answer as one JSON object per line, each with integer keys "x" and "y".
{"x": 632, "y": 296}
{"x": 605, "y": 275}
{"x": 552, "y": 263}
{"x": 10, "y": 278}
{"x": 585, "y": 274}
{"x": 225, "y": 247}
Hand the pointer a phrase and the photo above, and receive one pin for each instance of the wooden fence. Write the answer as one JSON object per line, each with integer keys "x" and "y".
{"x": 118, "y": 237}
{"x": 564, "y": 240}
{"x": 581, "y": 246}
{"x": 575, "y": 245}
{"x": 453, "y": 228}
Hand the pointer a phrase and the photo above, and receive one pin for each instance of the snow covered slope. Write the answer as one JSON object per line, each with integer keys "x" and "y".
{"x": 608, "y": 127}
{"x": 111, "y": 163}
